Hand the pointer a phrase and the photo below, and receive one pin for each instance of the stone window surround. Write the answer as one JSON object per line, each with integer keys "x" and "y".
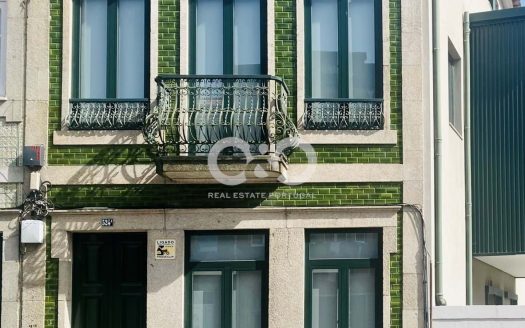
{"x": 385, "y": 136}
{"x": 99, "y": 137}
{"x": 65, "y": 137}
{"x": 171, "y": 223}
{"x": 105, "y": 137}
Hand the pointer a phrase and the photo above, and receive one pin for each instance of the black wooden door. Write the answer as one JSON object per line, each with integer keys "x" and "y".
{"x": 109, "y": 280}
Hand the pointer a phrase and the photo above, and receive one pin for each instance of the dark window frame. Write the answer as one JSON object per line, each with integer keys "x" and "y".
{"x": 112, "y": 45}
{"x": 454, "y": 81}
{"x": 343, "y": 265}
{"x": 226, "y": 267}
{"x": 343, "y": 58}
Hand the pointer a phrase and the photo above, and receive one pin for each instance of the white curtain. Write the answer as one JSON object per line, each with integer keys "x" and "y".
{"x": 209, "y": 43}
{"x": 325, "y": 296}
{"x": 93, "y": 48}
{"x": 206, "y": 300}
{"x": 361, "y": 48}
{"x": 324, "y": 50}
{"x": 361, "y": 291}
{"x": 248, "y": 119}
{"x": 247, "y": 37}
{"x": 131, "y": 49}
{"x": 246, "y": 299}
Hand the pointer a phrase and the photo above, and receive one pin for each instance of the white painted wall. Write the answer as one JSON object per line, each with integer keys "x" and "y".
{"x": 486, "y": 274}
{"x": 454, "y": 249}
{"x": 520, "y": 290}
{"x": 479, "y": 317}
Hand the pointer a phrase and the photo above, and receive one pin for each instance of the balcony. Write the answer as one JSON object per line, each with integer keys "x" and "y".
{"x": 343, "y": 114}
{"x": 107, "y": 114}
{"x": 239, "y": 119}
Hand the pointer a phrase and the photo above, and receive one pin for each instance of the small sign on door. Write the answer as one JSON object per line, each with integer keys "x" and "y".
{"x": 164, "y": 249}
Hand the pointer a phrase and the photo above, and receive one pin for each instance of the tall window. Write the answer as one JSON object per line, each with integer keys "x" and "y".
{"x": 3, "y": 44}
{"x": 343, "y": 49}
{"x": 228, "y": 37}
{"x": 110, "y": 42}
{"x": 226, "y": 277}
{"x": 343, "y": 279}
{"x": 454, "y": 93}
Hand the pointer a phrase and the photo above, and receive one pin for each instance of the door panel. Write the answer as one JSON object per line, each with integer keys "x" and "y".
{"x": 130, "y": 282}
{"x": 109, "y": 280}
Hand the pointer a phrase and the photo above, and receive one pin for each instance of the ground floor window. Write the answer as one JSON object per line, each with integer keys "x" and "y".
{"x": 343, "y": 279}
{"x": 226, "y": 279}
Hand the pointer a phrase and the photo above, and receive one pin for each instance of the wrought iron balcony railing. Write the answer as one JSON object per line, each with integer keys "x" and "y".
{"x": 107, "y": 114}
{"x": 343, "y": 114}
{"x": 194, "y": 112}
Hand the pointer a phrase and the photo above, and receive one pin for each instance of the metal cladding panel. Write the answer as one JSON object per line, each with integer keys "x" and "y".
{"x": 498, "y": 131}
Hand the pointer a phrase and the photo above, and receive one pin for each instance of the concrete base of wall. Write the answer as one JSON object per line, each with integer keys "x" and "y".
{"x": 482, "y": 316}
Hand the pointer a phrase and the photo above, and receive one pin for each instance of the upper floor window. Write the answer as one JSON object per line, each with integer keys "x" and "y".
{"x": 228, "y": 37}
{"x": 343, "y": 49}
{"x": 110, "y": 42}
{"x": 454, "y": 93}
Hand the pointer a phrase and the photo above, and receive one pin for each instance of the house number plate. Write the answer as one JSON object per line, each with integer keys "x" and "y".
{"x": 106, "y": 222}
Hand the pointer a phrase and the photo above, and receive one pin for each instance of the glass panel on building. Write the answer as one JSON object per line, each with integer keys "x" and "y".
{"x": 325, "y": 49}
{"x": 343, "y": 245}
{"x": 93, "y": 48}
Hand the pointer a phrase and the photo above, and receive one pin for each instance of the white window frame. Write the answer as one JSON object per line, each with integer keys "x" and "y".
{"x": 455, "y": 86}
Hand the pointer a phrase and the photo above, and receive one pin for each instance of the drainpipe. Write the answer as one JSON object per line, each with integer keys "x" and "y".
{"x": 438, "y": 160}
{"x": 21, "y": 249}
{"x": 468, "y": 172}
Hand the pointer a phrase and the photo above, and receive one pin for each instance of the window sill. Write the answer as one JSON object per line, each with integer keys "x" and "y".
{"x": 349, "y": 137}
{"x": 101, "y": 137}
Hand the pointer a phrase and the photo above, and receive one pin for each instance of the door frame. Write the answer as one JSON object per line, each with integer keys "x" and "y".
{"x": 109, "y": 239}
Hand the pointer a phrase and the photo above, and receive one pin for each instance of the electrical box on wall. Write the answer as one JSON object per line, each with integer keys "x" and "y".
{"x": 32, "y": 232}
{"x": 34, "y": 156}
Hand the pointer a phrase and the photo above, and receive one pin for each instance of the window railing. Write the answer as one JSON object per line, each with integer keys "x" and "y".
{"x": 194, "y": 112}
{"x": 107, "y": 114}
{"x": 343, "y": 114}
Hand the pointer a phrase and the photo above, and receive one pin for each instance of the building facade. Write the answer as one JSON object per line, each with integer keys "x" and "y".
{"x": 466, "y": 33}
{"x": 136, "y": 94}
{"x": 20, "y": 62}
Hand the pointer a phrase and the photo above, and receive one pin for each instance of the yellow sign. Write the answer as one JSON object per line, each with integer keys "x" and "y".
{"x": 164, "y": 249}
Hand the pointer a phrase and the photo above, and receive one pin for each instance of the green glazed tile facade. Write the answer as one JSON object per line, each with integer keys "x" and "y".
{"x": 285, "y": 52}
{"x": 196, "y": 196}
{"x": 51, "y": 298}
{"x": 396, "y": 278}
{"x": 217, "y": 196}
{"x": 169, "y": 23}
{"x": 79, "y": 155}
